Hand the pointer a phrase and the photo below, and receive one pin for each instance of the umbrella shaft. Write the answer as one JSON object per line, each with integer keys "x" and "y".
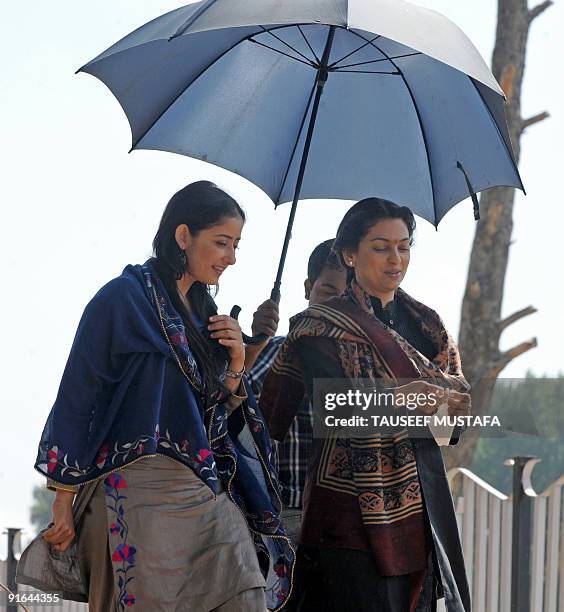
{"x": 322, "y": 74}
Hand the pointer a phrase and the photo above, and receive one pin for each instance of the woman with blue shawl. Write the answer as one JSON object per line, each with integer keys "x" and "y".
{"x": 155, "y": 433}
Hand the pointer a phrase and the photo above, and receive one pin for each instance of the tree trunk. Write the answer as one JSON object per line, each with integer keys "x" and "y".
{"x": 481, "y": 325}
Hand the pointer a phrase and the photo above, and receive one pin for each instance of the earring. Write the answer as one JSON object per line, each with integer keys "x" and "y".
{"x": 183, "y": 257}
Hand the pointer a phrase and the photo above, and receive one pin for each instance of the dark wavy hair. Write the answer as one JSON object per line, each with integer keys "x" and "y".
{"x": 200, "y": 205}
{"x": 360, "y": 218}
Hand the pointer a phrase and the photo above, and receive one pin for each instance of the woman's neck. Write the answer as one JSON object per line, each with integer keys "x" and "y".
{"x": 183, "y": 285}
{"x": 385, "y": 297}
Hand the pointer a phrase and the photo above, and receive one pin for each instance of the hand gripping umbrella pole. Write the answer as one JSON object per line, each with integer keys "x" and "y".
{"x": 322, "y": 74}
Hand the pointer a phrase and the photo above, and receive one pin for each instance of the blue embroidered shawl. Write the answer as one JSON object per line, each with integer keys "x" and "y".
{"x": 132, "y": 388}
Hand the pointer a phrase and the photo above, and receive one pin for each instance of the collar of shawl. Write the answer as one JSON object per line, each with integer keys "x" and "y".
{"x": 328, "y": 320}
{"x": 173, "y": 327}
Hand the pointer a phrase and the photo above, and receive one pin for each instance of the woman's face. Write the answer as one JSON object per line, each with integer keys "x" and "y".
{"x": 211, "y": 250}
{"x": 382, "y": 257}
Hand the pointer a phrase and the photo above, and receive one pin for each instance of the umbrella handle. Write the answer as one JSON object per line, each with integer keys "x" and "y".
{"x": 259, "y": 339}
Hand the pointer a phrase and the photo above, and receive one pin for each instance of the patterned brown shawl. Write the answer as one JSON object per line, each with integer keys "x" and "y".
{"x": 379, "y": 472}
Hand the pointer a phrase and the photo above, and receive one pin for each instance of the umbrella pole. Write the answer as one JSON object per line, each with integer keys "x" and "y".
{"x": 322, "y": 74}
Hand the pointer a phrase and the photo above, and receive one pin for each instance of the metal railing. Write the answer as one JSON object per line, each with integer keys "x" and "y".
{"x": 513, "y": 546}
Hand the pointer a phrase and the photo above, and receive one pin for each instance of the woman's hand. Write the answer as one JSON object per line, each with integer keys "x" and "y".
{"x": 434, "y": 395}
{"x": 227, "y": 332}
{"x": 61, "y": 534}
{"x": 459, "y": 404}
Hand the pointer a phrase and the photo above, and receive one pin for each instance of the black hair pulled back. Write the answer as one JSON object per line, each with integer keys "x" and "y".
{"x": 360, "y": 218}
{"x": 199, "y": 205}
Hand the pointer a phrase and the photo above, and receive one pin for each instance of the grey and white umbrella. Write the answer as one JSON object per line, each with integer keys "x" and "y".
{"x": 318, "y": 99}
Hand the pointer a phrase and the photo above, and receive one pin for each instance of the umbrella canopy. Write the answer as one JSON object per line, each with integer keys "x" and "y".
{"x": 410, "y": 111}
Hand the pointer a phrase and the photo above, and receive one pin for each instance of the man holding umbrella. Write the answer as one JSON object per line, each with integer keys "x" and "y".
{"x": 325, "y": 279}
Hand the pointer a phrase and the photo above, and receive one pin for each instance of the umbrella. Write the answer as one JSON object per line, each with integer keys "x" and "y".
{"x": 318, "y": 99}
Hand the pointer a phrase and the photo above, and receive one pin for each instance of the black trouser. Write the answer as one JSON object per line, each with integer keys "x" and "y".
{"x": 344, "y": 580}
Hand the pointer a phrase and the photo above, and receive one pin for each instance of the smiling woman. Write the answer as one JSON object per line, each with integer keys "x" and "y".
{"x": 378, "y": 519}
{"x": 151, "y": 427}
{"x": 196, "y": 241}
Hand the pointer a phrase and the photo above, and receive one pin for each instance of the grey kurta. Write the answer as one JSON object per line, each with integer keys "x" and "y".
{"x": 172, "y": 544}
{"x": 153, "y": 537}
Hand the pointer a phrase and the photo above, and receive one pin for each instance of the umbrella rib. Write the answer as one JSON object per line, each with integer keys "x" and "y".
{"x": 277, "y": 202}
{"x": 307, "y": 43}
{"x": 181, "y": 93}
{"x": 424, "y": 136}
{"x": 307, "y": 59}
{"x": 190, "y": 21}
{"x": 383, "y": 59}
{"x": 308, "y": 63}
{"x": 355, "y": 51}
{"x": 365, "y": 72}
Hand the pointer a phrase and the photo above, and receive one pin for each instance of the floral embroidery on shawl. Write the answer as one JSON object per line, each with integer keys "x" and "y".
{"x": 121, "y": 454}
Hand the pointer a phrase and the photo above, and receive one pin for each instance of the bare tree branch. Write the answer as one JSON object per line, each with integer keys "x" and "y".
{"x": 508, "y": 356}
{"x": 525, "y": 312}
{"x": 514, "y": 352}
{"x": 525, "y": 123}
{"x": 540, "y": 8}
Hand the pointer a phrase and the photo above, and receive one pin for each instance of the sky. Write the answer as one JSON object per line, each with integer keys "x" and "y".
{"x": 75, "y": 208}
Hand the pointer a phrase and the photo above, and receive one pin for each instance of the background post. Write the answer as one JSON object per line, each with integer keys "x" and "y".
{"x": 11, "y": 564}
{"x": 523, "y": 497}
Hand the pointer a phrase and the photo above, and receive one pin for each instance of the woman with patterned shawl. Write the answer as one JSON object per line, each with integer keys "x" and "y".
{"x": 379, "y": 522}
{"x": 155, "y": 429}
